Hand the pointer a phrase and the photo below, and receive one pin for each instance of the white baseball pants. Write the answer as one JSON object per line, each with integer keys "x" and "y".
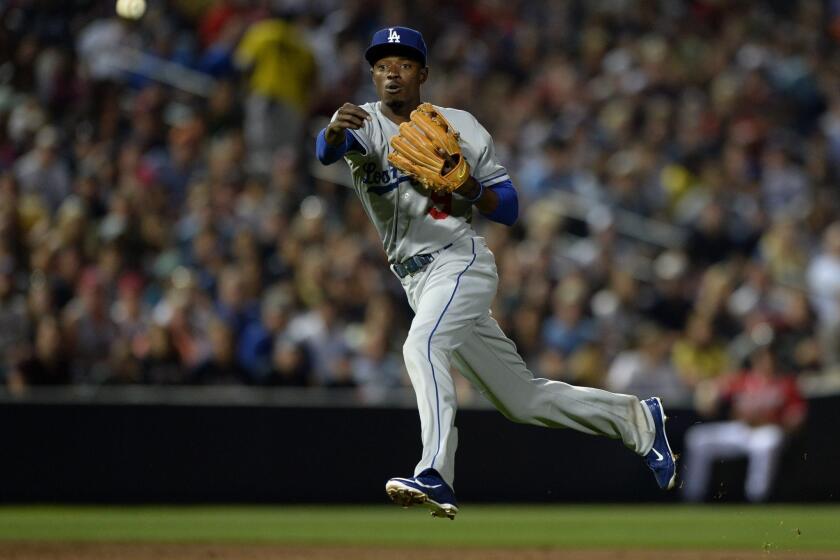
{"x": 451, "y": 299}
{"x": 707, "y": 443}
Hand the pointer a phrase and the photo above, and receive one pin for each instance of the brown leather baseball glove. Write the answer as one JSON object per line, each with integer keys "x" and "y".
{"x": 427, "y": 149}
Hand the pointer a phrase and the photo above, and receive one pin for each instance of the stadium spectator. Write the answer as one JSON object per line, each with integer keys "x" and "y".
{"x": 221, "y": 366}
{"x": 796, "y": 330}
{"x": 647, "y": 369}
{"x": 784, "y": 185}
{"x": 785, "y": 252}
{"x": 290, "y": 365}
{"x": 375, "y": 370}
{"x": 710, "y": 240}
{"x": 321, "y": 331}
{"x": 568, "y": 328}
{"x": 185, "y": 311}
{"x": 257, "y": 339}
{"x": 699, "y": 355}
{"x": 89, "y": 329}
{"x": 49, "y": 362}
{"x": 234, "y": 305}
{"x": 14, "y": 321}
{"x": 128, "y": 312}
{"x": 281, "y": 70}
{"x": 824, "y": 283}
{"x": 764, "y": 408}
{"x": 41, "y": 172}
{"x": 159, "y": 361}
{"x": 671, "y": 303}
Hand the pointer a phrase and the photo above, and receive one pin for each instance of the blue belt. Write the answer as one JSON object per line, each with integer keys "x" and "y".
{"x": 416, "y": 263}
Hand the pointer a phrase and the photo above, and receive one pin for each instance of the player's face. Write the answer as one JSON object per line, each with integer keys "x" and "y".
{"x": 397, "y": 80}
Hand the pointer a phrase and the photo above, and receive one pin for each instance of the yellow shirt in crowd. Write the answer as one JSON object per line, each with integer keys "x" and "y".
{"x": 282, "y": 64}
{"x": 695, "y": 363}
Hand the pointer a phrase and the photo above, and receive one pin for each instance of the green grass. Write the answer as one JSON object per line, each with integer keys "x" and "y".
{"x": 674, "y": 527}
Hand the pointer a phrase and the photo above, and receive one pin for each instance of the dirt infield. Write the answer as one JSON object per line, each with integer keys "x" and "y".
{"x": 147, "y": 551}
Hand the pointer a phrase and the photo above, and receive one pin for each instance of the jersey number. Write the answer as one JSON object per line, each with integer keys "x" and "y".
{"x": 442, "y": 205}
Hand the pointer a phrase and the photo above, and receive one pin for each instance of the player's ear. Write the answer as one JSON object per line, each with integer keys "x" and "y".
{"x": 424, "y": 74}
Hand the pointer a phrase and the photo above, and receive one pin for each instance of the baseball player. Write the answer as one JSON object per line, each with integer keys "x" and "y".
{"x": 420, "y": 172}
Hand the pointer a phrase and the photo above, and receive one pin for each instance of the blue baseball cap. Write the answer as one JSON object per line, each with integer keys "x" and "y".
{"x": 402, "y": 41}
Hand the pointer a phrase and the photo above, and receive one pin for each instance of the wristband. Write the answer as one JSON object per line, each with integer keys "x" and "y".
{"x": 478, "y": 196}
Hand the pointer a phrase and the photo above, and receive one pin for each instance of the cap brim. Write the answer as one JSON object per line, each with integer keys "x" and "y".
{"x": 378, "y": 52}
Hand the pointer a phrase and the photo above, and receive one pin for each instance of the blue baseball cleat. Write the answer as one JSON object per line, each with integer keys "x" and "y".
{"x": 660, "y": 458}
{"x": 426, "y": 488}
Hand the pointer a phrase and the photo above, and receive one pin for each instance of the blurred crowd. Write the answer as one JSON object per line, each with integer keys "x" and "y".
{"x": 163, "y": 221}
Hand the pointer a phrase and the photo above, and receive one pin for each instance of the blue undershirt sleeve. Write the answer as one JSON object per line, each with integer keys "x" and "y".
{"x": 507, "y": 210}
{"x": 328, "y": 154}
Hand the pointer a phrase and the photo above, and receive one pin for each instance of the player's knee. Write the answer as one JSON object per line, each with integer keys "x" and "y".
{"x": 422, "y": 343}
{"x": 415, "y": 349}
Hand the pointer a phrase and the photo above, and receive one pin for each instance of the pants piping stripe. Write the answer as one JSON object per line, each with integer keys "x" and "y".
{"x": 429, "y": 350}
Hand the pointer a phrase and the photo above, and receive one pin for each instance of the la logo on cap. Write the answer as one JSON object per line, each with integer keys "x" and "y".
{"x": 393, "y": 36}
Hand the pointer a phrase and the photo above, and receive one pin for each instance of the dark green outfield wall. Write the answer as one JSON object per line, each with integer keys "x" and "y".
{"x": 174, "y": 453}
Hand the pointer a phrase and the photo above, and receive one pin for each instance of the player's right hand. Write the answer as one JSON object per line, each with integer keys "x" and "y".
{"x": 348, "y": 116}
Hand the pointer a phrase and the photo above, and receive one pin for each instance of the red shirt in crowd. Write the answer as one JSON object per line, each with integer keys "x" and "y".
{"x": 759, "y": 398}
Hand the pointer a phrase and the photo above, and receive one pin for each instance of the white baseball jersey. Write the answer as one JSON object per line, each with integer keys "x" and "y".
{"x": 409, "y": 220}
